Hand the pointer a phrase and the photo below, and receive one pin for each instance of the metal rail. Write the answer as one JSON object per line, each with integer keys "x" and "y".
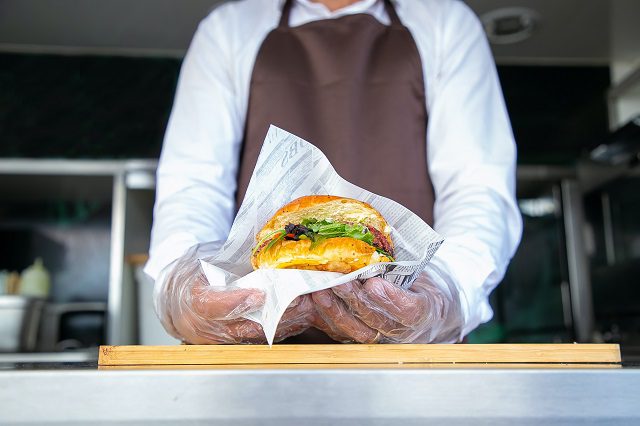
{"x": 578, "y": 265}
{"x": 312, "y": 397}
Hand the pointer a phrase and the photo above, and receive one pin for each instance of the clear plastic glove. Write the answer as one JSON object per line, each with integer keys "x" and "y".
{"x": 197, "y": 312}
{"x": 377, "y": 311}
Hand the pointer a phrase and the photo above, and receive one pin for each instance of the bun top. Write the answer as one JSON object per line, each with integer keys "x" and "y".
{"x": 337, "y": 209}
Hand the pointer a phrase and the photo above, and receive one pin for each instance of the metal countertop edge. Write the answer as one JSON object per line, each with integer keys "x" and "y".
{"x": 198, "y": 371}
{"x": 230, "y": 396}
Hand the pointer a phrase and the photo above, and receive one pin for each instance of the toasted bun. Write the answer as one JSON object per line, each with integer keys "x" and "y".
{"x": 340, "y": 254}
{"x": 338, "y": 209}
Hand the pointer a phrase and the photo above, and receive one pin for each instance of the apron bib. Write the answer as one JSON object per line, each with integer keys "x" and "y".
{"x": 354, "y": 88}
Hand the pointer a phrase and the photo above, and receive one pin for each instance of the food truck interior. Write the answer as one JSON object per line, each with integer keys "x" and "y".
{"x": 85, "y": 92}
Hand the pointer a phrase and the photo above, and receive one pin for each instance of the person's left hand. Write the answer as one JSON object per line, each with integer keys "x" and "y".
{"x": 378, "y": 311}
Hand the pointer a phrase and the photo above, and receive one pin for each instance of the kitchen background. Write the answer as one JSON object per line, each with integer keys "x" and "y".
{"x": 85, "y": 92}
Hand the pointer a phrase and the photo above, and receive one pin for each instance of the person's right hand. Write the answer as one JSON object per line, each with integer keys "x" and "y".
{"x": 196, "y": 312}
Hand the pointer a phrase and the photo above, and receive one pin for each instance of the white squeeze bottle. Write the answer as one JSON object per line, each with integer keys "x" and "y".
{"x": 35, "y": 280}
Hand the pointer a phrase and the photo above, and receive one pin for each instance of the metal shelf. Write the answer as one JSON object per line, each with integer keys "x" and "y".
{"x": 113, "y": 181}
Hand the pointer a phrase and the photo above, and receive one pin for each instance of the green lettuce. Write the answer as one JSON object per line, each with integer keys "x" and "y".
{"x": 328, "y": 229}
{"x": 324, "y": 229}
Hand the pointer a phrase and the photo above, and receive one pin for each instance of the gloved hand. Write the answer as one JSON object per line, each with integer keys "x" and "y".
{"x": 377, "y": 311}
{"x": 198, "y": 312}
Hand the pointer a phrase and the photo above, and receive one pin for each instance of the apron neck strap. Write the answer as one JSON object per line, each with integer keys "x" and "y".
{"x": 391, "y": 11}
{"x": 286, "y": 11}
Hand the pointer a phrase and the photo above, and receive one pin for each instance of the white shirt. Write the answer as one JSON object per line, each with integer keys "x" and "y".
{"x": 471, "y": 151}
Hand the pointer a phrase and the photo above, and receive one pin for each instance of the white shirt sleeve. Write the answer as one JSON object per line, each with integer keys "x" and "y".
{"x": 196, "y": 177}
{"x": 472, "y": 157}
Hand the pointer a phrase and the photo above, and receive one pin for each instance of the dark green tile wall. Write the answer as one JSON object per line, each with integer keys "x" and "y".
{"x": 116, "y": 107}
{"x": 84, "y": 106}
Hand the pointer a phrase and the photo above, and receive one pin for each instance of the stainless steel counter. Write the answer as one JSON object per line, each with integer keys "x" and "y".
{"x": 313, "y": 397}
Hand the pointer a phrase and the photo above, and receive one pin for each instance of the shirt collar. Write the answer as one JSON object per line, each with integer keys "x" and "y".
{"x": 322, "y": 10}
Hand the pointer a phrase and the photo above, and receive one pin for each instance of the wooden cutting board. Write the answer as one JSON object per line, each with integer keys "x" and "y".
{"x": 361, "y": 356}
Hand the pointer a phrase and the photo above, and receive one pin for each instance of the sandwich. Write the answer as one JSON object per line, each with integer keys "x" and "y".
{"x": 323, "y": 233}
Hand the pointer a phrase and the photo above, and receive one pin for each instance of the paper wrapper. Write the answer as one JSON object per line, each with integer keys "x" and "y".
{"x": 287, "y": 168}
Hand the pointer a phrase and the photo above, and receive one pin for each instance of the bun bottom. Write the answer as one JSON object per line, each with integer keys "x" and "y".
{"x": 342, "y": 254}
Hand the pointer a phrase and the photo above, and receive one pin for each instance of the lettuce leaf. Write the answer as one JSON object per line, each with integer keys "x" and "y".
{"x": 328, "y": 229}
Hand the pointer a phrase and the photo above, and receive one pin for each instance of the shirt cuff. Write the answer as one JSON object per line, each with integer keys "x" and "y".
{"x": 469, "y": 273}
{"x": 166, "y": 252}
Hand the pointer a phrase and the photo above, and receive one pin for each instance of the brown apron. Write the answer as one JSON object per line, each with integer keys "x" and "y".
{"x": 354, "y": 88}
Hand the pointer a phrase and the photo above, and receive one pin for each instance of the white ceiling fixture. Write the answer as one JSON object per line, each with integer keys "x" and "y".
{"x": 509, "y": 25}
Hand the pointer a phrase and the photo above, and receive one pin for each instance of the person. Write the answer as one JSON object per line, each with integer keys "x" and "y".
{"x": 402, "y": 96}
